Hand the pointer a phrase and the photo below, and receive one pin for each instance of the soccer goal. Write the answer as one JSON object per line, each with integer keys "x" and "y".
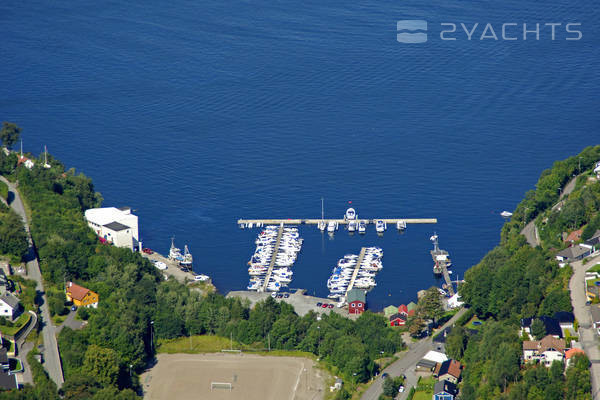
{"x": 220, "y": 385}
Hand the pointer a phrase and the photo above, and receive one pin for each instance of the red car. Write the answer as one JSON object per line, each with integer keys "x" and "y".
{"x": 324, "y": 305}
{"x": 147, "y": 250}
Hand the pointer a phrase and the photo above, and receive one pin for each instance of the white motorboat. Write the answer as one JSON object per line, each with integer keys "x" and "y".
{"x": 380, "y": 226}
{"x": 362, "y": 227}
{"x": 401, "y": 225}
{"x": 506, "y": 214}
{"x": 350, "y": 214}
{"x": 332, "y": 226}
{"x": 352, "y": 225}
{"x": 174, "y": 252}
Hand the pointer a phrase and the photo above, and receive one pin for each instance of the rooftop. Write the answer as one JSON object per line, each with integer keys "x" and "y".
{"x": 451, "y": 367}
{"x": 11, "y": 300}
{"x": 445, "y": 386}
{"x": 7, "y": 380}
{"x": 573, "y": 252}
{"x": 356, "y": 294}
{"x": 76, "y": 292}
{"x": 551, "y": 324}
{"x": 574, "y": 236}
{"x": 116, "y": 226}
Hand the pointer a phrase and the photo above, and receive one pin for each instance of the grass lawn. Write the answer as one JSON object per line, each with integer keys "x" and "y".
{"x": 18, "y": 324}
{"x": 478, "y": 323}
{"x": 422, "y": 396}
{"x": 59, "y": 319}
{"x": 595, "y": 268}
{"x": 199, "y": 344}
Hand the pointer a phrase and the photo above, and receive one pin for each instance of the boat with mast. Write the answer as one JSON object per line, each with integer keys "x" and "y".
{"x": 322, "y": 225}
{"x": 441, "y": 258}
{"x": 187, "y": 257}
{"x": 46, "y": 165}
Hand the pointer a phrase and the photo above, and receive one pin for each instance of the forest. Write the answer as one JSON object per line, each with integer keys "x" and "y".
{"x": 515, "y": 281}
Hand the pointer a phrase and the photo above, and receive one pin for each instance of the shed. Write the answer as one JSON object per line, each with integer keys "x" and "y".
{"x": 390, "y": 310}
{"x": 356, "y": 299}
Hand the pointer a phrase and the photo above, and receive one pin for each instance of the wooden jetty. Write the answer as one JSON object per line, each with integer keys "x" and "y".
{"x": 259, "y": 222}
{"x": 361, "y": 256}
{"x": 273, "y": 258}
{"x": 441, "y": 261}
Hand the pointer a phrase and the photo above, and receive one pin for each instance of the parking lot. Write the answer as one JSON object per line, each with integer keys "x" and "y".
{"x": 302, "y": 304}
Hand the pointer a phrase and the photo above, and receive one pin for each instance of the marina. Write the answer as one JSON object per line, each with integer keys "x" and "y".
{"x": 257, "y": 223}
{"x": 355, "y": 271}
{"x": 277, "y": 248}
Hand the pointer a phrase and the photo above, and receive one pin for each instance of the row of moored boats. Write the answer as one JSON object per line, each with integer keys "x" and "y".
{"x": 341, "y": 276}
{"x": 283, "y": 259}
{"x": 356, "y": 225}
{"x": 185, "y": 260}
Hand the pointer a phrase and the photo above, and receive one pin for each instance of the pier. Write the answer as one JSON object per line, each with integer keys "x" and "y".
{"x": 273, "y": 258}
{"x": 361, "y": 256}
{"x": 441, "y": 261}
{"x": 449, "y": 286}
{"x": 258, "y": 222}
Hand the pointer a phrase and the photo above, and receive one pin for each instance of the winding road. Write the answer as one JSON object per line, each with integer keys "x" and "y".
{"x": 52, "y": 362}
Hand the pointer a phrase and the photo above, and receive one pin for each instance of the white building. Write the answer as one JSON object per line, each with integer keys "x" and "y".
{"x": 10, "y": 307}
{"x": 115, "y": 225}
{"x": 547, "y": 350}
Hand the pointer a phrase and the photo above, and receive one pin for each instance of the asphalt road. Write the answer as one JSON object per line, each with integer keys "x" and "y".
{"x": 406, "y": 365}
{"x": 52, "y": 362}
{"x": 530, "y": 230}
{"x": 587, "y": 335}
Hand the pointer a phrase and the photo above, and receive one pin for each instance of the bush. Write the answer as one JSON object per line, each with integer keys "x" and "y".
{"x": 83, "y": 313}
{"x": 4, "y": 190}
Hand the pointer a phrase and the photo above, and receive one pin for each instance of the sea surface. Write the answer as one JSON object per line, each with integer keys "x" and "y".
{"x": 197, "y": 113}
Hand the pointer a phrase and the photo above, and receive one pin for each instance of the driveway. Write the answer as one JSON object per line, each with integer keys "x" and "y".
{"x": 51, "y": 356}
{"x": 587, "y": 335}
{"x": 71, "y": 322}
{"x": 407, "y": 364}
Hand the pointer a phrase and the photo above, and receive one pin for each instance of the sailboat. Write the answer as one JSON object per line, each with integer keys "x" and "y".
{"x": 174, "y": 252}
{"x": 46, "y": 165}
{"x": 322, "y": 225}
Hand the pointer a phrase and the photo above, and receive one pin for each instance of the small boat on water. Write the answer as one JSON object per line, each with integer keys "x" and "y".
{"x": 174, "y": 252}
{"x": 352, "y": 225}
{"x": 332, "y": 226}
{"x": 401, "y": 225}
{"x": 380, "y": 226}
{"x": 506, "y": 214}
{"x": 362, "y": 227}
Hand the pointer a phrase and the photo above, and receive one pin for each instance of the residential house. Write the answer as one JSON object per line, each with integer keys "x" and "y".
{"x": 551, "y": 325}
{"x": 455, "y": 301}
{"x": 10, "y": 307}
{"x": 81, "y": 296}
{"x": 444, "y": 390}
{"x": 547, "y": 350}
{"x": 569, "y": 355}
{"x": 26, "y": 162}
{"x": 565, "y": 319}
{"x": 404, "y": 310}
{"x": 115, "y": 225}
{"x": 597, "y": 170}
{"x": 390, "y": 310}
{"x": 356, "y": 299}
{"x": 411, "y": 307}
{"x": 574, "y": 236}
{"x": 593, "y": 243}
{"x": 430, "y": 360}
{"x": 449, "y": 370}
{"x": 595, "y": 311}
{"x": 8, "y": 381}
{"x": 573, "y": 253}
{"x": 397, "y": 320}
{"x": 425, "y": 365}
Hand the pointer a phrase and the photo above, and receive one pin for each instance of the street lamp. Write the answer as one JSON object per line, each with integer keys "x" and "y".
{"x": 152, "y": 335}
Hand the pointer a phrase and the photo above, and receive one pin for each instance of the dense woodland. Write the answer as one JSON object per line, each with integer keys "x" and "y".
{"x": 137, "y": 307}
{"x": 514, "y": 281}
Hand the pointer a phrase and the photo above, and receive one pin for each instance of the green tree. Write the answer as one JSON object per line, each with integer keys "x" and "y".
{"x": 389, "y": 387}
{"x": 456, "y": 342}
{"x": 9, "y": 134}
{"x": 538, "y": 329}
{"x": 430, "y": 305}
{"x": 102, "y": 363}
{"x": 415, "y": 325}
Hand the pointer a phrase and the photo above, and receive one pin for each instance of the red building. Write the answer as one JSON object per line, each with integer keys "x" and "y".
{"x": 403, "y": 310}
{"x": 397, "y": 320}
{"x": 356, "y": 299}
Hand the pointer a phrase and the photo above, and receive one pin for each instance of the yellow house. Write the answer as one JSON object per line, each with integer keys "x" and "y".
{"x": 80, "y": 296}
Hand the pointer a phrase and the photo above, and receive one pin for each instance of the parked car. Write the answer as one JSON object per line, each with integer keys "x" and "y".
{"x": 200, "y": 278}
{"x": 319, "y": 304}
{"x": 286, "y": 295}
{"x": 384, "y": 375}
{"x": 73, "y": 308}
{"x": 324, "y": 305}
{"x": 401, "y": 389}
{"x": 147, "y": 250}
{"x": 330, "y": 305}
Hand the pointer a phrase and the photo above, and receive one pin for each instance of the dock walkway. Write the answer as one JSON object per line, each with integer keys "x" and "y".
{"x": 258, "y": 222}
{"x": 449, "y": 286}
{"x": 273, "y": 258}
{"x": 359, "y": 261}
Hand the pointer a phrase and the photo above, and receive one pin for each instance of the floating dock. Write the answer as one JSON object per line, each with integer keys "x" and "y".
{"x": 361, "y": 256}
{"x": 441, "y": 261}
{"x": 273, "y": 258}
{"x": 243, "y": 223}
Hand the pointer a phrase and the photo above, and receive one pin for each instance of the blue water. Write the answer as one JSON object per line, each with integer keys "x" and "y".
{"x": 199, "y": 113}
